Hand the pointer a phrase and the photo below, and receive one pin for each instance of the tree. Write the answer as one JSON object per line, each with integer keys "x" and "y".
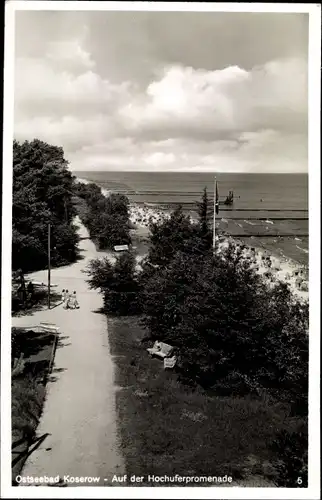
{"x": 42, "y": 168}
{"x": 27, "y": 251}
{"x": 90, "y": 192}
{"x": 169, "y": 237}
{"x": 64, "y": 241}
{"x": 112, "y": 230}
{"x": 117, "y": 204}
{"x": 204, "y": 225}
{"x": 226, "y": 319}
{"x": 117, "y": 282}
{"x": 107, "y": 217}
{"x": 178, "y": 233}
{"x": 42, "y": 194}
{"x": 100, "y": 272}
{"x": 164, "y": 291}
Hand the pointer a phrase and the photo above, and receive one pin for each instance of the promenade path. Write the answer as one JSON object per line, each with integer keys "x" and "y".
{"x": 79, "y": 410}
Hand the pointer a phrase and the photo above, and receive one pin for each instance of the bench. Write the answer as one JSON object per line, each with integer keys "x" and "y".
{"x": 48, "y": 327}
{"x": 160, "y": 349}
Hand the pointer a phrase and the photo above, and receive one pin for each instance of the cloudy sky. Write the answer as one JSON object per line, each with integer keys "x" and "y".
{"x": 165, "y": 91}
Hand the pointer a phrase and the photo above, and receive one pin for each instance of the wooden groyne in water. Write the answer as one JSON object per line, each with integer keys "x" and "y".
{"x": 192, "y": 205}
{"x": 265, "y": 218}
{"x": 268, "y": 235}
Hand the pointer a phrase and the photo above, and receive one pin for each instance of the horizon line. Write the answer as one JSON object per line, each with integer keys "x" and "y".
{"x": 188, "y": 172}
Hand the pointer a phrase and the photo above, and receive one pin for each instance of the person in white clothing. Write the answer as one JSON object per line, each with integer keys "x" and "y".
{"x": 73, "y": 301}
{"x": 66, "y": 300}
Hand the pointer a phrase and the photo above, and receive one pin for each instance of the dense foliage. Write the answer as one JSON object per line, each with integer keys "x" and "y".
{"x": 292, "y": 464}
{"x": 106, "y": 217}
{"x": 169, "y": 237}
{"x": 178, "y": 233}
{"x": 229, "y": 322}
{"x": 235, "y": 333}
{"x": 42, "y": 194}
{"x": 118, "y": 282}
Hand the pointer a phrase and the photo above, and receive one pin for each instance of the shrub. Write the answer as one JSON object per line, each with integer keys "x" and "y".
{"x": 117, "y": 282}
{"x": 233, "y": 329}
{"x": 107, "y": 218}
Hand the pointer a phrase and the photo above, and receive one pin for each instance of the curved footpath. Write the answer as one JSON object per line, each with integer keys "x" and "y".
{"x": 79, "y": 410}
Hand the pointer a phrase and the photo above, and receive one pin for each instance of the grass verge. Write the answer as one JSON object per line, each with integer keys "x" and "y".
{"x": 28, "y": 389}
{"x": 168, "y": 428}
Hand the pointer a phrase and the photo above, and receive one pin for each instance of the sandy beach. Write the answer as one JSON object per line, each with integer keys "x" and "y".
{"x": 273, "y": 268}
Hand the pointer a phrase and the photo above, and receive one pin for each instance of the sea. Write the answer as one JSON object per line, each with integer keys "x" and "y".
{"x": 267, "y": 210}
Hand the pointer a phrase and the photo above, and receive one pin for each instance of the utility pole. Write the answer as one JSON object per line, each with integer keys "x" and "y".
{"x": 215, "y": 203}
{"x": 48, "y": 266}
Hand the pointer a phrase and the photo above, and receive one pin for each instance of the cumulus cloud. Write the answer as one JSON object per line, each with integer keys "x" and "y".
{"x": 257, "y": 151}
{"x": 231, "y": 117}
{"x": 40, "y": 87}
{"x": 192, "y": 102}
{"x": 70, "y": 55}
{"x": 72, "y": 132}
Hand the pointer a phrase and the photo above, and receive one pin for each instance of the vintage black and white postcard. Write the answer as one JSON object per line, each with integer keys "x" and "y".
{"x": 161, "y": 250}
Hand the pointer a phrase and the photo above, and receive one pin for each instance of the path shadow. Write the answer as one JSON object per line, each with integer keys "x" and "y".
{"x": 99, "y": 311}
{"x": 58, "y": 370}
{"x": 40, "y": 305}
{"x": 61, "y": 338}
{"x": 61, "y": 343}
{"x": 59, "y": 346}
{"x": 53, "y": 376}
{"x": 79, "y": 255}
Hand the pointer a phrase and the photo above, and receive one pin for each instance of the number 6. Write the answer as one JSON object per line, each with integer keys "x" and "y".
{"x": 299, "y": 480}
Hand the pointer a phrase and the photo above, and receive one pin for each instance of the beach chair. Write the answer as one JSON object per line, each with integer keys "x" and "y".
{"x": 169, "y": 362}
{"x": 161, "y": 350}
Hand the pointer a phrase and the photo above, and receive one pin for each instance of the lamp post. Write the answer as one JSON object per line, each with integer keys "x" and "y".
{"x": 49, "y": 265}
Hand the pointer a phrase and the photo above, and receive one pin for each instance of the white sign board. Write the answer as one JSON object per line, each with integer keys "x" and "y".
{"x": 120, "y": 248}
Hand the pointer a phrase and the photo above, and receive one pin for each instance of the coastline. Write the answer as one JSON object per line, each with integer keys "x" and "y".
{"x": 271, "y": 265}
